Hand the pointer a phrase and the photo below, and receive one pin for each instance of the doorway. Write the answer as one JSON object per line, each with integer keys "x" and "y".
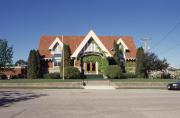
{"x": 90, "y": 67}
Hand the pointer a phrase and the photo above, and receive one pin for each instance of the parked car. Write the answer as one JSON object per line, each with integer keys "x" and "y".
{"x": 174, "y": 86}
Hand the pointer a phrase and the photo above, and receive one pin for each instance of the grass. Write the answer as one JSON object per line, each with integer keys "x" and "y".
{"x": 145, "y": 80}
{"x": 79, "y": 80}
{"x": 38, "y": 80}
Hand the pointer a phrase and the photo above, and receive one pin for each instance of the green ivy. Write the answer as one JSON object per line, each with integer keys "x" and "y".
{"x": 102, "y": 61}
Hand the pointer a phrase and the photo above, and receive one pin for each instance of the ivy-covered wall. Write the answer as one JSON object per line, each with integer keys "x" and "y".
{"x": 102, "y": 61}
{"x": 130, "y": 66}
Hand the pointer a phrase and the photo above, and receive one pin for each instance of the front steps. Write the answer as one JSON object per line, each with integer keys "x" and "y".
{"x": 99, "y": 85}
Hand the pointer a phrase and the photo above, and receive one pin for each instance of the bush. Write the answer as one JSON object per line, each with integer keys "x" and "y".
{"x": 3, "y": 76}
{"x": 155, "y": 74}
{"x": 175, "y": 75}
{"x": 131, "y": 75}
{"x": 71, "y": 72}
{"x": 123, "y": 76}
{"x": 165, "y": 75}
{"x": 46, "y": 76}
{"x": 159, "y": 75}
{"x": 55, "y": 75}
{"x": 113, "y": 72}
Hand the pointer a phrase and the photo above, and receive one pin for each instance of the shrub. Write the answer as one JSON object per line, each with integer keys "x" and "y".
{"x": 155, "y": 74}
{"x": 46, "y": 76}
{"x": 71, "y": 72}
{"x": 175, "y": 75}
{"x": 131, "y": 75}
{"x": 3, "y": 76}
{"x": 123, "y": 76}
{"x": 113, "y": 72}
{"x": 55, "y": 75}
{"x": 165, "y": 75}
{"x": 159, "y": 75}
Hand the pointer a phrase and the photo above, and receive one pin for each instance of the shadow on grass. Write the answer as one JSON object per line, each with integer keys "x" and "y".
{"x": 8, "y": 98}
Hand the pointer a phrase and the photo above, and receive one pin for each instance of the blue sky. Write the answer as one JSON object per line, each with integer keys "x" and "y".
{"x": 22, "y": 22}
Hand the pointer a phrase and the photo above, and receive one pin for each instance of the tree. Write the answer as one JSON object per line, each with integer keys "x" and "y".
{"x": 66, "y": 57}
{"x": 34, "y": 66}
{"x": 151, "y": 62}
{"x": 147, "y": 62}
{"x": 21, "y": 62}
{"x": 6, "y": 53}
{"x": 116, "y": 53}
{"x": 38, "y": 59}
{"x": 139, "y": 62}
{"x": 118, "y": 57}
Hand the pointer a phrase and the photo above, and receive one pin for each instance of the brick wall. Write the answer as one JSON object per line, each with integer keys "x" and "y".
{"x": 14, "y": 71}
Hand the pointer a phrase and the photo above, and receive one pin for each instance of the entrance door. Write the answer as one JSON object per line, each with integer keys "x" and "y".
{"x": 91, "y": 67}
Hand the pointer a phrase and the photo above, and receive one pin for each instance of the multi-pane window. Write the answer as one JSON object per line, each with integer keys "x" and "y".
{"x": 57, "y": 48}
{"x": 57, "y": 63}
{"x": 91, "y": 47}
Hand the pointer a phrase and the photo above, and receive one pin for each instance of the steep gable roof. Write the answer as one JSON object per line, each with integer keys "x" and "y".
{"x": 74, "y": 42}
{"x": 90, "y": 35}
{"x": 46, "y": 41}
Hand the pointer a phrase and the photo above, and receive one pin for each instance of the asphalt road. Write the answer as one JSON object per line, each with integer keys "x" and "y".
{"x": 61, "y": 103}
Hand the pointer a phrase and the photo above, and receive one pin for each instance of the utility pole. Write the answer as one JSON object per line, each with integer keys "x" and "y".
{"x": 63, "y": 57}
{"x": 145, "y": 44}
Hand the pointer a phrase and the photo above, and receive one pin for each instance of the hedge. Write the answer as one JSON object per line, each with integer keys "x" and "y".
{"x": 71, "y": 72}
{"x": 113, "y": 72}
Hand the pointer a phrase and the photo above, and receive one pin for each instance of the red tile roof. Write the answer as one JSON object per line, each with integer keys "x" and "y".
{"x": 74, "y": 41}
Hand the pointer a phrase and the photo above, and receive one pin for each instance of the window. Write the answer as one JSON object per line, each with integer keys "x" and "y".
{"x": 57, "y": 63}
{"x": 120, "y": 46}
{"x": 57, "y": 48}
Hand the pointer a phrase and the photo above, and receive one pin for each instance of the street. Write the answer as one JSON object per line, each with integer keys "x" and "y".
{"x": 79, "y": 103}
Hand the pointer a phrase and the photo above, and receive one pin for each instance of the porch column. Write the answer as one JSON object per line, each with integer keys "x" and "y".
{"x": 90, "y": 66}
{"x": 97, "y": 68}
{"x": 84, "y": 67}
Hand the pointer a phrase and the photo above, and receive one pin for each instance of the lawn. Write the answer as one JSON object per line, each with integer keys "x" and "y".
{"x": 145, "y": 80}
{"x": 79, "y": 80}
{"x": 38, "y": 80}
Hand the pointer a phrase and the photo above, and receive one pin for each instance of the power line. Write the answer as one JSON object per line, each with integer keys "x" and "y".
{"x": 170, "y": 49}
{"x": 166, "y": 35}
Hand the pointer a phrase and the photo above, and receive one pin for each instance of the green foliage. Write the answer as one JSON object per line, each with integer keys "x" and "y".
{"x": 91, "y": 58}
{"x": 103, "y": 64}
{"x": 112, "y": 72}
{"x": 6, "y": 53}
{"x": 33, "y": 70}
{"x": 52, "y": 76}
{"x": 165, "y": 75}
{"x": 117, "y": 53}
{"x": 21, "y": 62}
{"x": 38, "y": 59}
{"x": 118, "y": 56}
{"x": 175, "y": 74}
{"x": 66, "y": 57}
{"x": 123, "y": 76}
{"x": 3, "y": 76}
{"x": 130, "y": 66}
{"x": 102, "y": 61}
{"x": 71, "y": 72}
{"x": 139, "y": 62}
{"x": 130, "y": 75}
{"x": 148, "y": 62}
{"x": 153, "y": 63}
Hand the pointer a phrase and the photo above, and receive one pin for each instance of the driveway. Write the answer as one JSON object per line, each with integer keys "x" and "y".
{"x": 78, "y": 103}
